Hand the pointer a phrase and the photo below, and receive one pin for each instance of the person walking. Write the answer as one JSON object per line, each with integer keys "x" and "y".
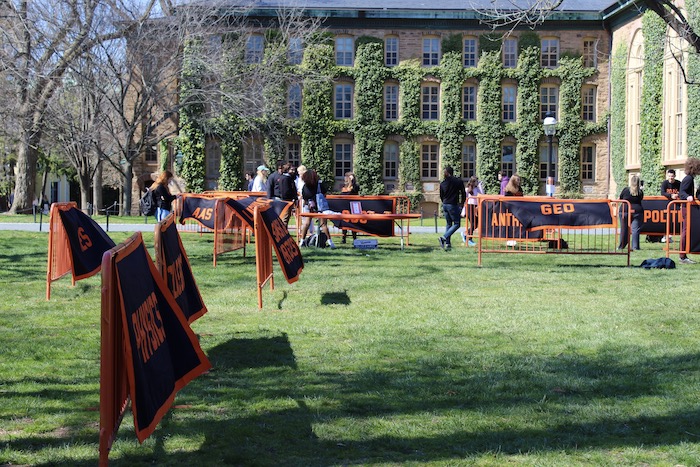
{"x": 473, "y": 191}
{"x": 453, "y": 196}
{"x": 164, "y": 199}
{"x": 634, "y": 195}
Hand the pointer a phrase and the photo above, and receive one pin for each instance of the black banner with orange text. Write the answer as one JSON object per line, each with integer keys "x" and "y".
{"x": 561, "y": 213}
{"x": 88, "y": 242}
{"x": 162, "y": 352}
{"x": 286, "y": 249}
{"x": 367, "y": 205}
{"x": 176, "y": 270}
{"x": 655, "y": 216}
{"x": 198, "y": 208}
{"x": 497, "y": 221}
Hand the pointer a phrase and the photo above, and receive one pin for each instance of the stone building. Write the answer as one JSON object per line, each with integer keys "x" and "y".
{"x": 483, "y": 115}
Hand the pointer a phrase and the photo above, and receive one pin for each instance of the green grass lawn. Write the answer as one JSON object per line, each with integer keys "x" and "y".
{"x": 382, "y": 357}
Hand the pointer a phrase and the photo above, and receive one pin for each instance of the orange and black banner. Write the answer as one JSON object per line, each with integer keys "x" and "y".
{"x": 497, "y": 221}
{"x": 162, "y": 352}
{"x": 87, "y": 240}
{"x": 245, "y": 207}
{"x": 369, "y": 205}
{"x": 200, "y": 209}
{"x": 694, "y": 213}
{"x": 286, "y": 249}
{"x": 655, "y": 216}
{"x": 561, "y": 213}
{"x": 175, "y": 269}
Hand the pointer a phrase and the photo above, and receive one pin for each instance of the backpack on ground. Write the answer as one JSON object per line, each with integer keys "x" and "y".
{"x": 147, "y": 203}
{"x": 318, "y": 240}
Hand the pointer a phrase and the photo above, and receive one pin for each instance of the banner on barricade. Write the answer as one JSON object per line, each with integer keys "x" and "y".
{"x": 199, "y": 208}
{"x": 286, "y": 249}
{"x": 245, "y": 207}
{"x": 694, "y": 214}
{"x": 369, "y": 205}
{"x": 534, "y": 215}
{"x": 656, "y": 215}
{"x": 162, "y": 352}
{"x": 497, "y": 221}
{"x": 87, "y": 241}
{"x": 175, "y": 269}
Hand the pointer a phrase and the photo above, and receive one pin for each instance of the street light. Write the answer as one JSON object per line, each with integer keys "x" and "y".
{"x": 550, "y": 127}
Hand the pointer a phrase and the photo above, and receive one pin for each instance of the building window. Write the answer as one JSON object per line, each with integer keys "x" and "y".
{"x": 508, "y": 159}
{"x": 590, "y": 53}
{"x": 429, "y": 161}
{"x": 391, "y": 102}
{"x": 635, "y": 78}
{"x": 343, "y": 159}
{"x": 294, "y": 153}
{"x": 550, "y": 53}
{"x": 678, "y": 109}
{"x": 296, "y": 51}
{"x": 469, "y": 102}
{"x": 549, "y": 97}
{"x": 151, "y": 154}
{"x": 509, "y": 97}
{"x": 391, "y": 51}
{"x": 510, "y": 53}
{"x": 344, "y": 51}
{"x": 544, "y": 160}
{"x": 252, "y": 155}
{"x": 430, "y": 101}
{"x": 294, "y": 101}
{"x": 588, "y": 163}
{"x": 588, "y": 103}
{"x": 254, "y": 49}
{"x": 468, "y": 160}
{"x": 470, "y": 52}
{"x": 212, "y": 151}
{"x": 343, "y": 101}
{"x": 391, "y": 161}
{"x": 431, "y": 51}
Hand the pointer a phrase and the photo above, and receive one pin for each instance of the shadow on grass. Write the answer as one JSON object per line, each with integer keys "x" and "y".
{"x": 275, "y": 414}
{"x": 335, "y": 298}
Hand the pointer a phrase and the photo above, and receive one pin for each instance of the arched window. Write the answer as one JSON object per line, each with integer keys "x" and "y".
{"x": 675, "y": 100}
{"x": 635, "y": 66}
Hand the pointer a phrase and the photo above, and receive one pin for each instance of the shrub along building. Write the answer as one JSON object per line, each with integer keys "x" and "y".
{"x": 413, "y": 89}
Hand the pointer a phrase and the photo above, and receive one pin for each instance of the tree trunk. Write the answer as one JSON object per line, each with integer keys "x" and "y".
{"x": 97, "y": 188}
{"x": 25, "y": 184}
{"x": 84, "y": 181}
{"x": 128, "y": 182}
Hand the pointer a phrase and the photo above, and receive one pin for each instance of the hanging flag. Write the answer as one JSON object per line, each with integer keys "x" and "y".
{"x": 286, "y": 249}
{"x": 87, "y": 241}
{"x": 161, "y": 350}
{"x": 175, "y": 269}
{"x": 200, "y": 209}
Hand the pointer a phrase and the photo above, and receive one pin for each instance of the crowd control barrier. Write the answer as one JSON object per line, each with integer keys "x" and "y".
{"x": 356, "y": 204}
{"x": 683, "y": 223}
{"x": 206, "y": 213}
{"x": 539, "y": 225}
{"x": 658, "y": 212}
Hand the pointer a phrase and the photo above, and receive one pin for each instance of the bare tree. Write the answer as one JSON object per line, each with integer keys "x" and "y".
{"x": 39, "y": 41}
{"x": 511, "y": 14}
{"x": 72, "y": 125}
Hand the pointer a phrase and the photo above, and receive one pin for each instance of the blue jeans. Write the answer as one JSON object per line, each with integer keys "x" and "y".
{"x": 452, "y": 218}
{"x": 161, "y": 214}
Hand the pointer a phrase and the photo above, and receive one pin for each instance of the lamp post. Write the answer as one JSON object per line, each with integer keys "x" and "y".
{"x": 550, "y": 127}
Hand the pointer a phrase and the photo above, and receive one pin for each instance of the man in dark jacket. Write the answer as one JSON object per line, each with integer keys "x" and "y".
{"x": 452, "y": 195}
{"x": 273, "y": 182}
{"x": 288, "y": 189}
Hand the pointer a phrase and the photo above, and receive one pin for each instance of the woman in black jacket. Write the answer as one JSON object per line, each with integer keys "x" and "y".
{"x": 164, "y": 200}
{"x": 634, "y": 195}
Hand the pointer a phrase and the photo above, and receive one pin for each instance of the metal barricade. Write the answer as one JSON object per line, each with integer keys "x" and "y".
{"x": 555, "y": 226}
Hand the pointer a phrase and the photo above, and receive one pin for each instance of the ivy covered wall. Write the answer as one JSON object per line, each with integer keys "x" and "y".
{"x": 368, "y": 130}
